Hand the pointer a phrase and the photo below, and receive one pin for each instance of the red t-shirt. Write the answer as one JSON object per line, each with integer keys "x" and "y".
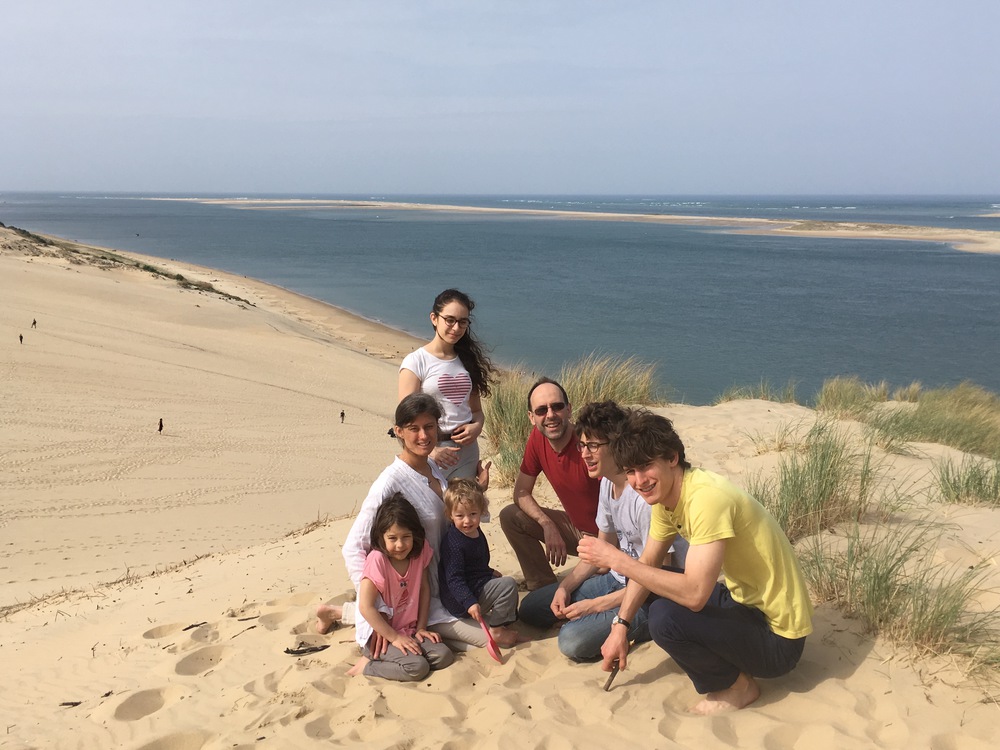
{"x": 567, "y": 474}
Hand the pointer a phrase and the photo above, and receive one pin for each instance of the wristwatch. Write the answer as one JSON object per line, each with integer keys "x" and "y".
{"x": 621, "y": 621}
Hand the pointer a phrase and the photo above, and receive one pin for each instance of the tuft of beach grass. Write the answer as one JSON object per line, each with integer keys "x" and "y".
{"x": 763, "y": 391}
{"x": 972, "y": 481}
{"x": 887, "y": 578}
{"x": 966, "y": 416}
{"x": 849, "y": 397}
{"x": 827, "y": 482}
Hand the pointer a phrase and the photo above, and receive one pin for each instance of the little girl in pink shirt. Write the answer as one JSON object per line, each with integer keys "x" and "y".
{"x": 401, "y": 648}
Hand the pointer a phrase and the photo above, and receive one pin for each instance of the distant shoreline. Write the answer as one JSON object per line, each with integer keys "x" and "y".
{"x": 965, "y": 240}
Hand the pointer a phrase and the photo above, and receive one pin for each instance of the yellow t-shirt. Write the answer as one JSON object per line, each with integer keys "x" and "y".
{"x": 759, "y": 566}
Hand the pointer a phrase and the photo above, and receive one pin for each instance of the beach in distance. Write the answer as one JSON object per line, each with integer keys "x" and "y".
{"x": 717, "y": 292}
{"x": 152, "y": 579}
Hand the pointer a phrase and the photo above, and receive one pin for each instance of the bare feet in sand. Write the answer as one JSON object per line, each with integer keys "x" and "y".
{"x": 740, "y": 694}
{"x": 507, "y": 637}
{"x": 327, "y": 617}
{"x": 359, "y": 667}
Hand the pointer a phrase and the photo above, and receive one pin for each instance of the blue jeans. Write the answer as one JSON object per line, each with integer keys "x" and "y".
{"x": 581, "y": 640}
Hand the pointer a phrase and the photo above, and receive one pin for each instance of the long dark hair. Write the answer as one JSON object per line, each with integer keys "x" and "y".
{"x": 396, "y": 510}
{"x": 470, "y": 351}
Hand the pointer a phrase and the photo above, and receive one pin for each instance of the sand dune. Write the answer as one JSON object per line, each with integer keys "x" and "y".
{"x": 178, "y": 655}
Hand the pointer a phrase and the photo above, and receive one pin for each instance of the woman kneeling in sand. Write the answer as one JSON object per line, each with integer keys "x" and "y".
{"x": 420, "y": 481}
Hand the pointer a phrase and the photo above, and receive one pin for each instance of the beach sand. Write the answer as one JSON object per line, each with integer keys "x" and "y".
{"x": 149, "y": 584}
{"x": 966, "y": 240}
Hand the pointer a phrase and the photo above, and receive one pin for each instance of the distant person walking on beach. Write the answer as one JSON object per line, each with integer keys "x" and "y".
{"x": 453, "y": 368}
{"x": 21, "y": 337}
{"x": 160, "y": 428}
{"x": 342, "y": 416}
{"x": 34, "y": 323}
{"x": 754, "y": 622}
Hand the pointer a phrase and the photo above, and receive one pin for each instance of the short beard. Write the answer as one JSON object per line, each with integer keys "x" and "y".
{"x": 562, "y": 432}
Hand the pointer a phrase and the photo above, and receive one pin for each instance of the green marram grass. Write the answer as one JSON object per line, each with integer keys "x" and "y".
{"x": 886, "y": 577}
{"x": 972, "y": 481}
{"x": 597, "y": 377}
{"x": 966, "y": 416}
{"x": 849, "y": 397}
{"x": 826, "y": 482}
{"x": 763, "y": 391}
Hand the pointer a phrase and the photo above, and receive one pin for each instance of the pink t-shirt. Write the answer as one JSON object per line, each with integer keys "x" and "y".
{"x": 401, "y": 592}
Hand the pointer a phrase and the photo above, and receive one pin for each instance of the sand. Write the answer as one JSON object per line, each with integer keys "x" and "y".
{"x": 149, "y": 584}
{"x": 966, "y": 240}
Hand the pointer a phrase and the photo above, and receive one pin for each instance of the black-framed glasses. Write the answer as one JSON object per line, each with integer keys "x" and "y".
{"x": 590, "y": 445}
{"x": 452, "y": 322}
{"x": 541, "y": 411}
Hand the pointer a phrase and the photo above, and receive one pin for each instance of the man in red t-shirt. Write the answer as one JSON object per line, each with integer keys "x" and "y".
{"x": 551, "y": 450}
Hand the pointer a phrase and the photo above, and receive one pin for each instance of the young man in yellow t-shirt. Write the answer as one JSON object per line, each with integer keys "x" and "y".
{"x": 721, "y": 633}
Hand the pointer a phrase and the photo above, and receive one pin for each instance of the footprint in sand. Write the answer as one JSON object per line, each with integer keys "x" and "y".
{"x": 205, "y": 634}
{"x": 179, "y": 741}
{"x": 201, "y": 660}
{"x": 162, "y": 631}
{"x": 273, "y": 620}
{"x": 295, "y": 600}
{"x": 320, "y": 728}
{"x": 146, "y": 702}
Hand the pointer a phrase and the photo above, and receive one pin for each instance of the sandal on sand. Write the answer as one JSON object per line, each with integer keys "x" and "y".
{"x": 304, "y": 648}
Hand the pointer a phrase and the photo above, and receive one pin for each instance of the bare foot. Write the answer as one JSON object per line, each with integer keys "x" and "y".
{"x": 327, "y": 617}
{"x": 504, "y": 636}
{"x": 359, "y": 667}
{"x": 740, "y": 694}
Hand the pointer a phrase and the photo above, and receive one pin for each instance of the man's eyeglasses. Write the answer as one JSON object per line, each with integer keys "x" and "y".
{"x": 452, "y": 322}
{"x": 541, "y": 411}
{"x": 590, "y": 445}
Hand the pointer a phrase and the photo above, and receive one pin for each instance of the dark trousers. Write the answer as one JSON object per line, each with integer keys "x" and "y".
{"x": 725, "y": 638}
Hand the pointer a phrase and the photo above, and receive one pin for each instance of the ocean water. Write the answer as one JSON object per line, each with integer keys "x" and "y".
{"x": 712, "y": 309}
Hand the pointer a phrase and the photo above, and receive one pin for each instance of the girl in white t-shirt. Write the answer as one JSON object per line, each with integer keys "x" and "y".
{"x": 454, "y": 368}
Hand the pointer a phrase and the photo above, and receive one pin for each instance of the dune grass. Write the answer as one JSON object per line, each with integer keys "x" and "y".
{"x": 507, "y": 425}
{"x": 763, "y": 391}
{"x": 966, "y": 416}
{"x": 786, "y": 436}
{"x": 599, "y": 377}
{"x": 886, "y": 578}
{"x": 593, "y": 378}
{"x": 827, "y": 482}
{"x": 849, "y": 397}
{"x": 910, "y": 393}
{"x": 971, "y": 482}
{"x": 885, "y": 427}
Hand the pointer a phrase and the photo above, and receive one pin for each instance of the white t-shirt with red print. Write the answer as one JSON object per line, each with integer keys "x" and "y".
{"x": 446, "y": 380}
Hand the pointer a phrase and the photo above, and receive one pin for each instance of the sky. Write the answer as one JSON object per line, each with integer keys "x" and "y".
{"x": 479, "y": 97}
